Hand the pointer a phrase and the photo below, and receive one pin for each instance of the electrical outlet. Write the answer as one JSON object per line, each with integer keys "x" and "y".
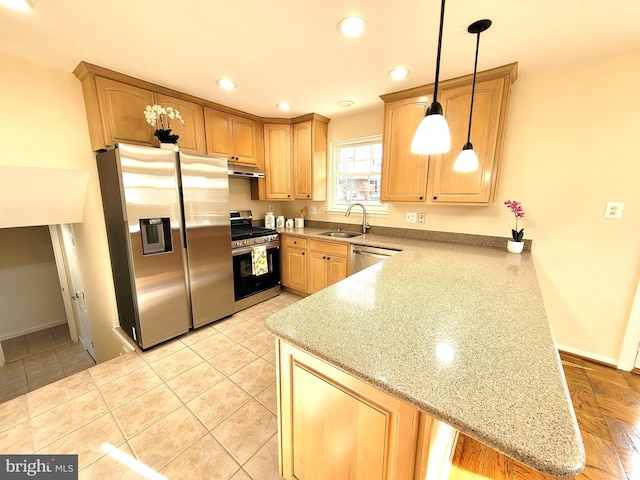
{"x": 614, "y": 210}
{"x": 313, "y": 210}
{"x": 411, "y": 217}
{"x": 421, "y": 217}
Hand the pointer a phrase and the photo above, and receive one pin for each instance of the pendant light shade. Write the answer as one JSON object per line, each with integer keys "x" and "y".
{"x": 467, "y": 160}
{"x": 432, "y": 135}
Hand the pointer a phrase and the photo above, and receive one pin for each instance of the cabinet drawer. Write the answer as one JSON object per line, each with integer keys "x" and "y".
{"x": 332, "y": 248}
{"x": 295, "y": 242}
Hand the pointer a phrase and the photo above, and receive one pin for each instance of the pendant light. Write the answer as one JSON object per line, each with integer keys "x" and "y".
{"x": 467, "y": 160}
{"x": 432, "y": 135}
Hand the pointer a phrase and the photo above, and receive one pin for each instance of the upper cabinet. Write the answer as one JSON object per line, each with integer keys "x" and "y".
{"x": 407, "y": 177}
{"x": 404, "y": 174}
{"x": 295, "y": 156}
{"x": 192, "y": 138}
{"x": 115, "y": 105}
{"x": 309, "y": 156}
{"x": 232, "y": 136}
{"x": 121, "y": 114}
{"x": 277, "y": 161}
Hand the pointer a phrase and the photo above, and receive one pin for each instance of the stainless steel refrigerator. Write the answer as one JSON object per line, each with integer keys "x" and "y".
{"x": 167, "y": 218}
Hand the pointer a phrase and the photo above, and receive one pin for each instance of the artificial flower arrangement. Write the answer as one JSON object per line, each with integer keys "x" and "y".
{"x": 518, "y": 212}
{"x": 160, "y": 118}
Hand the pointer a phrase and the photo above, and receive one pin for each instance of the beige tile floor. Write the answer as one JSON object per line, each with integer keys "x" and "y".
{"x": 199, "y": 407}
{"x": 40, "y": 358}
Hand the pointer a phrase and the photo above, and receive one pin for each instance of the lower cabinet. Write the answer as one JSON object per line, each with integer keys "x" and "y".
{"x": 335, "y": 426}
{"x": 309, "y": 265}
{"x": 294, "y": 266}
{"x": 329, "y": 264}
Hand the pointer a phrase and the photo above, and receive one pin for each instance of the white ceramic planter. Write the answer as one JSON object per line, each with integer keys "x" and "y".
{"x": 514, "y": 247}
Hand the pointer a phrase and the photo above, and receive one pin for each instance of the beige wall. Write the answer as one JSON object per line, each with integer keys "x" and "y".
{"x": 569, "y": 150}
{"x": 20, "y": 247}
{"x": 44, "y": 125}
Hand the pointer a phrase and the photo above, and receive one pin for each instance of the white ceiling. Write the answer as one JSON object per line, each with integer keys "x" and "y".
{"x": 290, "y": 50}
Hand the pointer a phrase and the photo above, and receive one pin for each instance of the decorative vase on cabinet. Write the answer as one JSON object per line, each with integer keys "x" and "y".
{"x": 514, "y": 247}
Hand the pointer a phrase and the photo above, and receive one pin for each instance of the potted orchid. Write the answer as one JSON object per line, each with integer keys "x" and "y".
{"x": 160, "y": 118}
{"x": 516, "y": 245}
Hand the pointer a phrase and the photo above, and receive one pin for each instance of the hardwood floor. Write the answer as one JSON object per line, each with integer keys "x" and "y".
{"x": 607, "y": 405}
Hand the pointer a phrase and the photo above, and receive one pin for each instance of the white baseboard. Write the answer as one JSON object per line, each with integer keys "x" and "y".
{"x": 588, "y": 355}
{"x": 37, "y": 328}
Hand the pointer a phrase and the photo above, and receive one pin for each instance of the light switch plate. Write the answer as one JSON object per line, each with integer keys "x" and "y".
{"x": 614, "y": 210}
{"x": 421, "y": 217}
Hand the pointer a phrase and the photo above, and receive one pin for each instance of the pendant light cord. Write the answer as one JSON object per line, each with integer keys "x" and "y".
{"x": 473, "y": 88}
{"x": 435, "y": 89}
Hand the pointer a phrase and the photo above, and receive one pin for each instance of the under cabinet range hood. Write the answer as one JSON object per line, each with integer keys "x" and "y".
{"x": 245, "y": 171}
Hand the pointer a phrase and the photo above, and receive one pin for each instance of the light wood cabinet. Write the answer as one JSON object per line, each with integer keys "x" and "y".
{"x": 309, "y": 265}
{"x": 294, "y": 262}
{"x": 192, "y": 136}
{"x": 404, "y": 174}
{"x": 232, "y": 136}
{"x": 336, "y": 426}
{"x": 329, "y": 263}
{"x": 487, "y": 130}
{"x": 309, "y": 156}
{"x": 407, "y": 177}
{"x": 277, "y": 161}
{"x": 115, "y": 105}
{"x": 121, "y": 110}
{"x": 301, "y": 172}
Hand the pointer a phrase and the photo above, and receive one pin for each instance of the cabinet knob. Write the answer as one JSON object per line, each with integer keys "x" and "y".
{"x": 302, "y": 253}
{"x": 420, "y": 198}
{"x": 308, "y": 196}
{"x": 328, "y": 258}
{"x": 435, "y": 198}
{"x": 295, "y": 242}
{"x": 324, "y": 258}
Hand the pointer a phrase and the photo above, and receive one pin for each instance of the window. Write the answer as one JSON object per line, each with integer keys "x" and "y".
{"x": 355, "y": 173}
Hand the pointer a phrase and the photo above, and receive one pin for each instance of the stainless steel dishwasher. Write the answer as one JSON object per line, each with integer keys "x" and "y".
{"x": 363, "y": 256}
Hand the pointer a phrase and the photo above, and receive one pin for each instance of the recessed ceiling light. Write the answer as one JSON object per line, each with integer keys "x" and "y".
{"x": 284, "y": 106}
{"x": 345, "y": 103}
{"x": 352, "y": 26}
{"x": 20, "y": 5}
{"x": 226, "y": 83}
{"x": 399, "y": 73}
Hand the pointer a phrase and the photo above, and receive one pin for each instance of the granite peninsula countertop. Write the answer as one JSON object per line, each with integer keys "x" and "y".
{"x": 458, "y": 331}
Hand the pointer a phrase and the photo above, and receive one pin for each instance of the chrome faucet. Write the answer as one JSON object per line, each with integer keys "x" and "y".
{"x": 365, "y": 225}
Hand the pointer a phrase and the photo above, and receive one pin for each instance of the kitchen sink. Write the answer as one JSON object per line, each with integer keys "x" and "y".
{"x": 340, "y": 234}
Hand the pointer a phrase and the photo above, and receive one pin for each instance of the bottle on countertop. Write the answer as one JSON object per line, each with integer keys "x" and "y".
{"x": 280, "y": 222}
{"x": 269, "y": 220}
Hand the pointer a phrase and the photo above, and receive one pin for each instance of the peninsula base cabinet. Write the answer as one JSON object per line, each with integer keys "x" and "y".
{"x": 333, "y": 426}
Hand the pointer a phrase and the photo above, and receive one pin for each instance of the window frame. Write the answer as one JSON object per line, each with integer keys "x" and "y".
{"x": 334, "y": 159}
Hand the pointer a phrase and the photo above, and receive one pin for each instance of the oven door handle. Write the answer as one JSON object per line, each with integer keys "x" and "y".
{"x": 249, "y": 248}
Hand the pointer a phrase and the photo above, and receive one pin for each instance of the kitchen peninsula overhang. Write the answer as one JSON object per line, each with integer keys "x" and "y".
{"x": 460, "y": 333}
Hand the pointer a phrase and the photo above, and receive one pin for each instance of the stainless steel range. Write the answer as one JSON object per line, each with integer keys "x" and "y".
{"x": 256, "y": 260}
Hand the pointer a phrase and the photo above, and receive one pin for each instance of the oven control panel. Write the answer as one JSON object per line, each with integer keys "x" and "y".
{"x": 253, "y": 241}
